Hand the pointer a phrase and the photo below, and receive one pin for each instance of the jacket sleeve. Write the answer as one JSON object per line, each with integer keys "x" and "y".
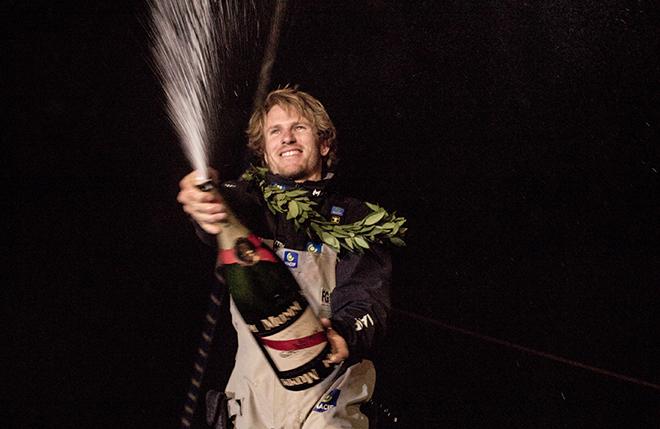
{"x": 361, "y": 300}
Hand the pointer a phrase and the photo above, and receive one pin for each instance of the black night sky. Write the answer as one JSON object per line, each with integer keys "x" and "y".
{"x": 520, "y": 139}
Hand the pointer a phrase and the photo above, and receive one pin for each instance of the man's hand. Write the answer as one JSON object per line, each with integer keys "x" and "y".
{"x": 206, "y": 208}
{"x": 339, "y": 348}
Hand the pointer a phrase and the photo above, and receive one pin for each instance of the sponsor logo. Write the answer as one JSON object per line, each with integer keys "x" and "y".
{"x": 313, "y": 247}
{"x": 316, "y": 192}
{"x": 328, "y": 401}
{"x": 363, "y": 322}
{"x": 336, "y": 213}
{"x": 291, "y": 259}
{"x": 339, "y": 211}
{"x": 310, "y": 377}
{"x": 325, "y": 296}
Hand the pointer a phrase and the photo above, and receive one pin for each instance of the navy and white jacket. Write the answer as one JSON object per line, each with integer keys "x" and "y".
{"x": 349, "y": 288}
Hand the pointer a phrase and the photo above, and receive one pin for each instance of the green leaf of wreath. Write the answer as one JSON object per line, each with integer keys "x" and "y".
{"x": 293, "y": 209}
{"x": 377, "y": 226}
{"x": 330, "y": 240}
{"x": 374, "y": 217}
{"x": 361, "y": 242}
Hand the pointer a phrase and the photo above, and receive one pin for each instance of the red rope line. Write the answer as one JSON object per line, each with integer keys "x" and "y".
{"x": 530, "y": 351}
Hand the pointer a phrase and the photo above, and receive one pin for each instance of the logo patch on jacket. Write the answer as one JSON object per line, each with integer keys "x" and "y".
{"x": 339, "y": 211}
{"x": 328, "y": 401}
{"x": 291, "y": 259}
{"x": 313, "y": 247}
{"x": 363, "y": 322}
{"x": 336, "y": 213}
{"x": 325, "y": 296}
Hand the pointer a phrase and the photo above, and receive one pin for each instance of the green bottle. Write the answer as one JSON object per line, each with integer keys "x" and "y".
{"x": 272, "y": 305}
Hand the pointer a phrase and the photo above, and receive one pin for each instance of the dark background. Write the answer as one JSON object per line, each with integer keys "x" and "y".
{"x": 520, "y": 139}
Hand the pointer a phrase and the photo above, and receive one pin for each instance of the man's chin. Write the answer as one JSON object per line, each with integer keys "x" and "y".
{"x": 293, "y": 173}
{"x": 296, "y": 176}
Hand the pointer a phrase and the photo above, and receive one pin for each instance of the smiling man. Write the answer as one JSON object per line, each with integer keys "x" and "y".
{"x": 292, "y": 148}
{"x": 292, "y": 135}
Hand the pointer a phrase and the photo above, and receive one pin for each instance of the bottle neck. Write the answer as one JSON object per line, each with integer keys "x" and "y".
{"x": 231, "y": 228}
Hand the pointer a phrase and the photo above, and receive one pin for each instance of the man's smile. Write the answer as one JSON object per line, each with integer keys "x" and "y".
{"x": 290, "y": 153}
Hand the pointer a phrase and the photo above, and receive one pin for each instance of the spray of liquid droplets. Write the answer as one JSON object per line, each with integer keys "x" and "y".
{"x": 205, "y": 51}
{"x": 195, "y": 44}
{"x": 185, "y": 49}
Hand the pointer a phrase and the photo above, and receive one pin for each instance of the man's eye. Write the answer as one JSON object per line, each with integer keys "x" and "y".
{"x": 273, "y": 132}
{"x": 300, "y": 127}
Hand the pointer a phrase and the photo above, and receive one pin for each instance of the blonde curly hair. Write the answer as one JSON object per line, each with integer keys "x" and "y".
{"x": 308, "y": 107}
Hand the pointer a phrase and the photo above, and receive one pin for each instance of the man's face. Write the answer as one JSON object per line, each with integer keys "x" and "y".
{"x": 292, "y": 147}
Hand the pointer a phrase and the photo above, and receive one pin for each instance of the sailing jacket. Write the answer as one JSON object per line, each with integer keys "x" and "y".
{"x": 350, "y": 289}
{"x": 360, "y": 301}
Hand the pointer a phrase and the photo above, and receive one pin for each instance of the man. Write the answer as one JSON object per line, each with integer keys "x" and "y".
{"x": 294, "y": 138}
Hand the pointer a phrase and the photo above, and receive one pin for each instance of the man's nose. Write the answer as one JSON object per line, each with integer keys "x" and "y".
{"x": 288, "y": 137}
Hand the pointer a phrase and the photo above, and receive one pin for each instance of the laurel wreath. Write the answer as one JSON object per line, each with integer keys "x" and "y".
{"x": 377, "y": 227}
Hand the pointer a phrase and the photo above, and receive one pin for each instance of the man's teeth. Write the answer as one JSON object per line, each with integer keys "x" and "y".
{"x": 289, "y": 153}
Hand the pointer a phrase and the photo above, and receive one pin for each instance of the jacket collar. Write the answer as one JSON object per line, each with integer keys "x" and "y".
{"x": 316, "y": 188}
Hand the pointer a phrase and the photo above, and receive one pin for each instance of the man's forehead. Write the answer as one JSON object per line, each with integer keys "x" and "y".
{"x": 292, "y": 112}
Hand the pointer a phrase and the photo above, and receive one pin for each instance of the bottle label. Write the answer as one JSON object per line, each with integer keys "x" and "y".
{"x": 298, "y": 344}
{"x": 247, "y": 251}
{"x": 272, "y": 324}
{"x": 276, "y": 312}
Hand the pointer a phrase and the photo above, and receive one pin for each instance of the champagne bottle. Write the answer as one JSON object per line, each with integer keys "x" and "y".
{"x": 272, "y": 305}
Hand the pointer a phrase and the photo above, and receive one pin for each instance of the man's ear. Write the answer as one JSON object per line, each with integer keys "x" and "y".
{"x": 325, "y": 147}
